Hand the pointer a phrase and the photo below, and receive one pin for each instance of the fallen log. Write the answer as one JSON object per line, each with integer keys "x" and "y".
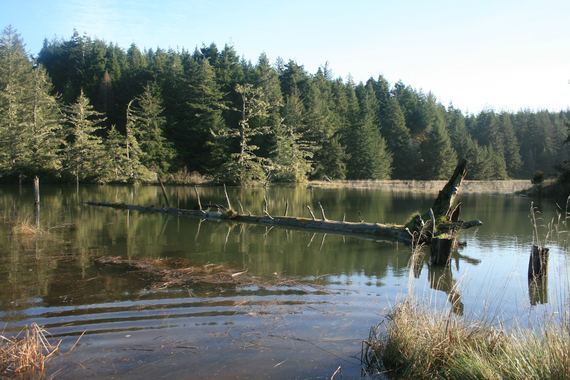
{"x": 443, "y": 205}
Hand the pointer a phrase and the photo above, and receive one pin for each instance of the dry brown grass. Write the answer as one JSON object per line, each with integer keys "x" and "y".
{"x": 183, "y": 177}
{"x": 25, "y": 357}
{"x": 496, "y": 187}
{"x": 180, "y": 272}
{"x": 26, "y": 226}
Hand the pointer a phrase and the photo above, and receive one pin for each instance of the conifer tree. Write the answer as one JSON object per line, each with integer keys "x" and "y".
{"x": 246, "y": 167}
{"x": 291, "y": 156}
{"x": 398, "y": 139}
{"x": 145, "y": 132}
{"x": 15, "y": 100}
{"x": 369, "y": 156}
{"x": 84, "y": 152}
{"x": 196, "y": 144}
{"x": 116, "y": 154}
{"x": 43, "y": 148}
{"x": 439, "y": 158}
{"x": 511, "y": 153}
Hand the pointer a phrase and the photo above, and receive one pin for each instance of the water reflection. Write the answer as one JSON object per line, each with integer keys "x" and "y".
{"x": 56, "y": 280}
{"x": 538, "y": 290}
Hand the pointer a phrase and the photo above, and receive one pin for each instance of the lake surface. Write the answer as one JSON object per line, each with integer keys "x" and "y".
{"x": 319, "y": 294}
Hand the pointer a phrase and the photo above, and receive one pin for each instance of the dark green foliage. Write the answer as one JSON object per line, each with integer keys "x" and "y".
{"x": 438, "y": 156}
{"x": 84, "y": 152}
{"x": 165, "y": 109}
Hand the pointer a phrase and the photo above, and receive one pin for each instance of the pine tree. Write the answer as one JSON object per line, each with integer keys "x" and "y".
{"x": 196, "y": 145}
{"x": 15, "y": 100}
{"x": 147, "y": 132}
{"x": 511, "y": 151}
{"x": 291, "y": 156}
{"x": 84, "y": 152}
{"x": 398, "y": 139}
{"x": 246, "y": 167}
{"x": 369, "y": 156}
{"x": 266, "y": 78}
{"x": 43, "y": 148}
{"x": 439, "y": 158}
{"x": 116, "y": 154}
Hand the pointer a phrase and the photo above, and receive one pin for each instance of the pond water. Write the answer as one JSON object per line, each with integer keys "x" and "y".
{"x": 337, "y": 287}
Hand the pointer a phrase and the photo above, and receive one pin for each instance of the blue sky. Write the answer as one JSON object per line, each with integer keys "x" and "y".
{"x": 505, "y": 55}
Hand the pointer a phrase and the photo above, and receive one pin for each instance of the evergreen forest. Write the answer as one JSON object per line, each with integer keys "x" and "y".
{"x": 88, "y": 111}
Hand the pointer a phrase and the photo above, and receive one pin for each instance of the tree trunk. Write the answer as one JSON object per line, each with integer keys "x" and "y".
{"x": 441, "y": 250}
{"x": 538, "y": 263}
{"x": 444, "y": 201}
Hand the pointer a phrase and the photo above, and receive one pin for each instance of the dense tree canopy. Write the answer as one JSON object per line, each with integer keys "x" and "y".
{"x": 88, "y": 110}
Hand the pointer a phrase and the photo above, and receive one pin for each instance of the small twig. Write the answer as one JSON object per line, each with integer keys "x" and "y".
{"x": 339, "y": 369}
{"x": 227, "y": 198}
{"x": 310, "y": 241}
{"x": 322, "y": 242}
{"x": 311, "y": 211}
{"x": 286, "y": 208}
{"x": 198, "y": 196}
{"x": 322, "y": 211}
{"x": 360, "y": 217}
{"x": 241, "y": 207}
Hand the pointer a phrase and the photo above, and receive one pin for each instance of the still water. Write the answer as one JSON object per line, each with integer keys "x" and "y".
{"x": 339, "y": 286}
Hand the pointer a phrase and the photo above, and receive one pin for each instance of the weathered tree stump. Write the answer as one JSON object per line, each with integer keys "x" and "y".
{"x": 441, "y": 250}
{"x": 446, "y": 197}
{"x": 538, "y": 263}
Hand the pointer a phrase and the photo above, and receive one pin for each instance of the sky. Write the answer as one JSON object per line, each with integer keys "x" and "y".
{"x": 486, "y": 54}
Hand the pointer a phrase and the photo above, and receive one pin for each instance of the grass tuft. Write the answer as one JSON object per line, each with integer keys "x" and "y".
{"x": 25, "y": 357}
{"x": 423, "y": 342}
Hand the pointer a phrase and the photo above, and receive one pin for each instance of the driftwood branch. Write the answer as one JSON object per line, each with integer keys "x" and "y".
{"x": 460, "y": 225}
{"x": 311, "y": 211}
{"x": 322, "y": 211}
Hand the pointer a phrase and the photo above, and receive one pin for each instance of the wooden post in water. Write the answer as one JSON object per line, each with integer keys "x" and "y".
{"x": 538, "y": 263}
{"x": 37, "y": 201}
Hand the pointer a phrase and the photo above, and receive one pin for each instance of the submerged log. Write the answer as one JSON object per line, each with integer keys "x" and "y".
{"x": 442, "y": 207}
{"x": 395, "y": 232}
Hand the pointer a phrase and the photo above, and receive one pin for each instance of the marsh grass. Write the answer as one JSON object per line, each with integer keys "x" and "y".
{"x": 420, "y": 342}
{"x": 26, "y": 225}
{"x": 24, "y": 356}
{"x": 495, "y": 187}
{"x": 184, "y": 177}
{"x": 421, "y": 339}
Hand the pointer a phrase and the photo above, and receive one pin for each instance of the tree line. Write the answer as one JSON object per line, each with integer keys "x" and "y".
{"x": 85, "y": 110}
